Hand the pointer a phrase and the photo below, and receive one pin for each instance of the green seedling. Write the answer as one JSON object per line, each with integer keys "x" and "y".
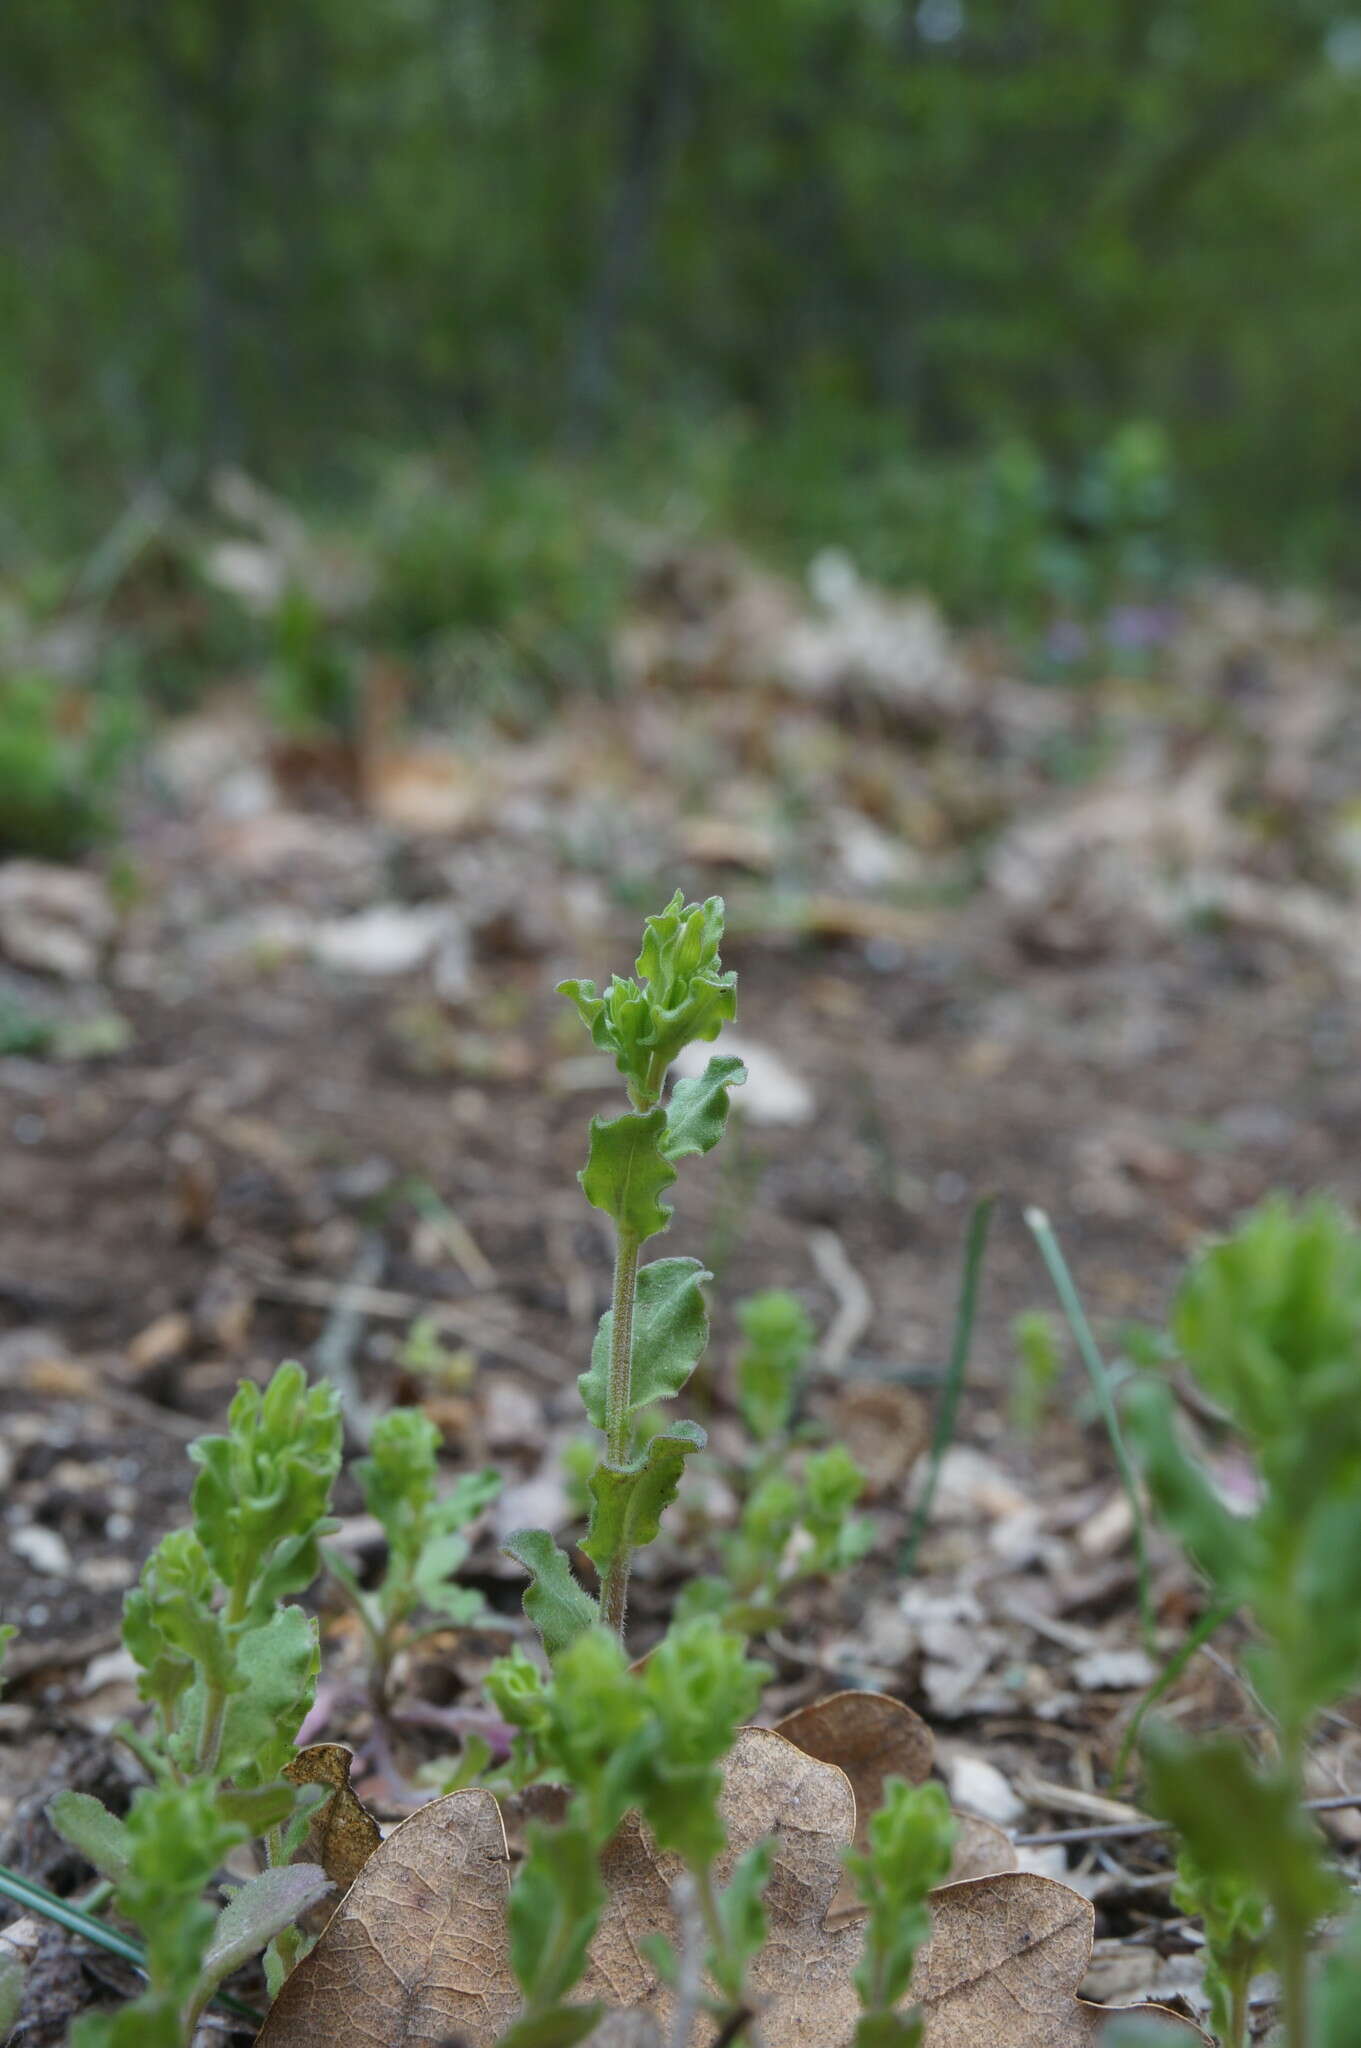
{"x": 911, "y": 1839}
{"x": 654, "y": 1332}
{"x": 1039, "y": 1362}
{"x": 1231, "y": 1911}
{"x": 229, "y": 1669}
{"x": 417, "y": 1594}
{"x": 651, "y": 1740}
{"x": 772, "y": 1363}
{"x": 160, "y": 1861}
{"x": 1269, "y": 1325}
{"x": 791, "y": 1528}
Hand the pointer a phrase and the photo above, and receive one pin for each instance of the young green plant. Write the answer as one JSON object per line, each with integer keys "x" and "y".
{"x": 654, "y": 1332}
{"x": 652, "y": 1741}
{"x": 417, "y": 1595}
{"x": 228, "y": 1666}
{"x": 1269, "y": 1325}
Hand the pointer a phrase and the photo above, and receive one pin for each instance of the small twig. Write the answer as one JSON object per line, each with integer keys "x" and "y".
{"x": 974, "y": 1248}
{"x": 1097, "y": 1372}
{"x": 854, "y": 1307}
{"x": 388, "y": 1304}
{"x": 1127, "y": 1829}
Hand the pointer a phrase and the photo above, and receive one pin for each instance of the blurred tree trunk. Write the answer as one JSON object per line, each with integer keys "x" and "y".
{"x": 201, "y": 91}
{"x": 652, "y": 123}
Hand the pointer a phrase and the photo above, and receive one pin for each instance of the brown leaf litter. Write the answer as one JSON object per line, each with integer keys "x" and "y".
{"x": 417, "y": 1953}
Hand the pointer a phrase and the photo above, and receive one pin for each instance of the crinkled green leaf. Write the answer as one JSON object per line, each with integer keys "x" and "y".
{"x": 87, "y": 1824}
{"x": 558, "y": 1606}
{"x": 670, "y": 1331}
{"x": 257, "y": 1912}
{"x": 262, "y": 1492}
{"x": 555, "y": 1906}
{"x": 698, "y": 1110}
{"x": 628, "y": 1501}
{"x": 277, "y": 1664}
{"x": 626, "y": 1173}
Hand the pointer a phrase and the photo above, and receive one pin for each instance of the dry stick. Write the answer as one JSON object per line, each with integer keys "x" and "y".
{"x": 1115, "y": 1831}
{"x": 975, "y": 1245}
{"x": 1071, "y": 1304}
{"x": 388, "y": 1304}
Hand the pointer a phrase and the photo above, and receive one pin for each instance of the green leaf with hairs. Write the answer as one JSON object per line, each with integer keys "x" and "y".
{"x": 697, "y": 1113}
{"x": 87, "y": 1824}
{"x": 670, "y": 1331}
{"x": 558, "y": 1606}
{"x": 626, "y": 1174}
{"x": 628, "y": 1501}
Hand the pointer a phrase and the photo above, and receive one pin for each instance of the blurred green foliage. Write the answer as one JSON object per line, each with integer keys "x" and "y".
{"x": 889, "y": 270}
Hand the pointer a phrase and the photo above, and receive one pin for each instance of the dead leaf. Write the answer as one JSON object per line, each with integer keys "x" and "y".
{"x": 1001, "y": 1970}
{"x": 871, "y": 1736}
{"x": 885, "y": 1428}
{"x": 344, "y": 1834}
{"x": 417, "y": 1951}
{"x": 1004, "y": 1962}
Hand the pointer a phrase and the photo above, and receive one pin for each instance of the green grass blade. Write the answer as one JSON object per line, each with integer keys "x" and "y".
{"x": 35, "y": 1898}
{"x": 1043, "y": 1233}
{"x": 943, "y": 1434}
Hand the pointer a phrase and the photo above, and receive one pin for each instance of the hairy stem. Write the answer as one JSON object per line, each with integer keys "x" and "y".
{"x": 618, "y": 1401}
{"x": 618, "y": 1398}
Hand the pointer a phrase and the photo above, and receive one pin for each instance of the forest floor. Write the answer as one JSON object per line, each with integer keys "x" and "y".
{"x": 303, "y": 1079}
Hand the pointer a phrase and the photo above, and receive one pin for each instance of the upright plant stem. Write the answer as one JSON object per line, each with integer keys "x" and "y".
{"x": 618, "y": 1401}
{"x": 1071, "y": 1303}
{"x": 944, "y": 1431}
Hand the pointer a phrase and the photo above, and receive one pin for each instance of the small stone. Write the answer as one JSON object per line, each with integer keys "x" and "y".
{"x": 42, "y": 1550}
{"x": 772, "y": 1093}
{"x": 1114, "y": 1671}
{"x": 160, "y": 1342}
{"x": 106, "y": 1574}
{"x": 979, "y": 1787}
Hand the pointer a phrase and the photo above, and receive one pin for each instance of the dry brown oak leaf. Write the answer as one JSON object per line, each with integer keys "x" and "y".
{"x": 417, "y": 1953}
{"x": 871, "y": 1737}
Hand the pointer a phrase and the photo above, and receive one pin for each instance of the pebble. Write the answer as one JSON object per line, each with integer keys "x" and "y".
{"x": 979, "y": 1787}
{"x": 42, "y": 1550}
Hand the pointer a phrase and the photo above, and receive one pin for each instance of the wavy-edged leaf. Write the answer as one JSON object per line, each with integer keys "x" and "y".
{"x": 559, "y": 1607}
{"x": 628, "y": 1501}
{"x": 670, "y": 1331}
{"x": 697, "y": 1113}
{"x": 626, "y": 1174}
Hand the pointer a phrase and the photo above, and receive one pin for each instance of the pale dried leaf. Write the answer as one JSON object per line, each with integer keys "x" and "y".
{"x": 868, "y": 1735}
{"x": 871, "y": 1736}
{"x": 343, "y": 1834}
{"x": 885, "y": 1428}
{"x": 1003, "y": 1964}
{"x": 417, "y": 1952}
